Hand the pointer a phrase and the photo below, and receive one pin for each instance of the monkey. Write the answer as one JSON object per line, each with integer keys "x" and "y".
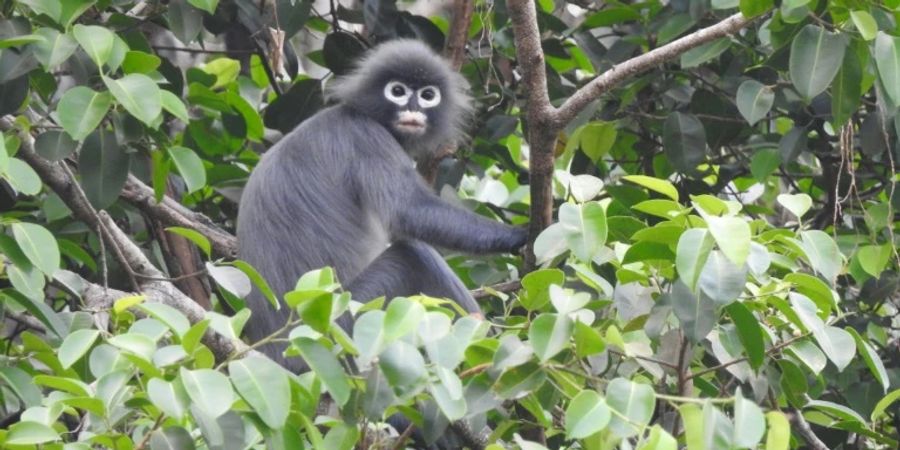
{"x": 342, "y": 190}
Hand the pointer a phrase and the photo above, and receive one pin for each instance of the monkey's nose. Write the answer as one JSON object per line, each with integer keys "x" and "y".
{"x": 412, "y": 121}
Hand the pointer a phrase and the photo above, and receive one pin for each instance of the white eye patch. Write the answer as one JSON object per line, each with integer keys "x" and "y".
{"x": 397, "y": 92}
{"x": 428, "y": 96}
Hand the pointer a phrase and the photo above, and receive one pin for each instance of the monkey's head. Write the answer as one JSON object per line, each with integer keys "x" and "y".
{"x": 411, "y": 91}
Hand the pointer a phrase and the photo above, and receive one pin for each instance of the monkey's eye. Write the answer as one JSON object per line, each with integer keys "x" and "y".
{"x": 397, "y": 92}
{"x": 429, "y": 96}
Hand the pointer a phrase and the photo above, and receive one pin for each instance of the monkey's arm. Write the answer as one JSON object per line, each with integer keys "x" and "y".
{"x": 410, "y": 209}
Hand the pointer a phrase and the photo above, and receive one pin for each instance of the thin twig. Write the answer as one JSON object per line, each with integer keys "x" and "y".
{"x": 806, "y": 431}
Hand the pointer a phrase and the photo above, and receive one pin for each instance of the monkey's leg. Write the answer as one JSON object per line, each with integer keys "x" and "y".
{"x": 409, "y": 267}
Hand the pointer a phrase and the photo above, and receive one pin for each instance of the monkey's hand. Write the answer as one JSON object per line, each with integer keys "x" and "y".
{"x": 518, "y": 239}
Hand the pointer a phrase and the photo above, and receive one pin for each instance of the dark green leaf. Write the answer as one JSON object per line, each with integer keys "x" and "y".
{"x": 684, "y": 141}
{"x": 81, "y": 109}
{"x": 749, "y": 332}
{"x": 816, "y": 56}
{"x": 104, "y": 168}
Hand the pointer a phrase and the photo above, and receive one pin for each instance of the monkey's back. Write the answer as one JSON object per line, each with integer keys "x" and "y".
{"x": 293, "y": 212}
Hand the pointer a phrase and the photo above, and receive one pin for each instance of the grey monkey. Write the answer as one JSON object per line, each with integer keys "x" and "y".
{"x": 342, "y": 190}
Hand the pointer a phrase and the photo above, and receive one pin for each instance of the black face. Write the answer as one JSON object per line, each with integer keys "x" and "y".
{"x": 413, "y": 102}
{"x": 410, "y": 105}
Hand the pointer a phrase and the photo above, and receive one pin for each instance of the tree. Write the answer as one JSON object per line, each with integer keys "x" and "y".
{"x": 709, "y": 187}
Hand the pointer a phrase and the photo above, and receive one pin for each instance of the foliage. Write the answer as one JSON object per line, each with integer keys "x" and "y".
{"x": 722, "y": 272}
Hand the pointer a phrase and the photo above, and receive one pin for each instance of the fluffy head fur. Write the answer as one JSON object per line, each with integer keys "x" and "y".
{"x": 415, "y": 65}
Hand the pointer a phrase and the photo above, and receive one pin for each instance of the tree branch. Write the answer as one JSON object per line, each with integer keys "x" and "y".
{"x": 172, "y": 213}
{"x": 98, "y": 296}
{"x": 539, "y": 113}
{"x": 806, "y": 431}
{"x": 458, "y": 34}
{"x": 621, "y": 72}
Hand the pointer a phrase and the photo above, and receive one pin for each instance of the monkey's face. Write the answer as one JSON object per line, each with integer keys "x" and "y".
{"x": 414, "y": 106}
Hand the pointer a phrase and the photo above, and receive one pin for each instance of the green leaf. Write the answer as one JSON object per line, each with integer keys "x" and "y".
{"x": 659, "y": 439}
{"x": 749, "y": 332}
{"x": 54, "y": 49}
{"x": 54, "y": 145}
{"x": 169, "y": 397}
{"x": 840, "y": 412}
{"x": 823, "y": 253}
{"x": 81, "y": 109}
{"x": 870, "y": 356}
{"x": 797, "y": 204}
{"x": 174, "y": 105}
{"x": 104, "y": 168}
{"x": 585, "y": 228}
{"x": 138, "y": 94}
{"x": 874, "y": 258}
{"x": 865, "y": 24}
{"x": 706, "y": 52}
{"x": 663, "y": 187}
{"x": 753, "y": 8}
{"x": 519, "y": 380}
{"x": 36, "y": 306}
{"x": 764, "y": 163}
{"x": 206, "y": 5}
{"x": 64, "y": 384}
{"x": 76, "y": 345}
{"x": 837, "y": 344}
{"x": 684, "y": 142}
{"x": 140, "y": 62}
{"x": 779, "y": 435}
{"x": 39, "y": 245}
{"x": 696, "y": 312}
{"x": 749, "y": 423}
{"x": 174, "y": 319}
{"x": 566, "y": 302}
{"x": 72, "y": 9}
{"x": 754, "y": 100}
{"x": 257, "y": 281}
{"x": 21, "y": 384}
{"x": 368, "y": 336}
{"x": 209, "y": 390}
{"x": 587, "y": 414}
{"x": 326, "y": 367}
{"x": 549, "y": 334}
{"x": 693, "y": 250}
{"x": 721, "y": 280}
{"x": 883, "y": 404}
{"x": 634, "y": 403}
{"x": 197, "y": 238}
{"x": 225, "y": 70}
{"x": 588, "y": 341}
{"x": 190, "y": 166}
{"x": 404, "y": 368}
{"x": 30, "y": 433}
{"x": 51, "y": 8}
{"x": 401, "y": 318}
{"x": 138, "y": 344}
{"x": 96, "y": 41}
{"x": 23, "y": 178}
{"x": 230, "y": 279}
{"x": 536, "y": 287}
{"x": 816, "y": 56}
{"x": 597, "y": 138}
{"x": 265, "y": 386}
{"x": 846, "y": 91}
{"x": 30, "y": 282}
{"x": 732, "y": 234}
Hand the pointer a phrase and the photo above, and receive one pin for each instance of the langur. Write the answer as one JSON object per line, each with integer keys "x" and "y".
{"x": 342, "y": 190}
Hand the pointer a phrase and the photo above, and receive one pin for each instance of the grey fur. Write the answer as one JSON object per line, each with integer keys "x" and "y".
{"x": 341, "y": 190}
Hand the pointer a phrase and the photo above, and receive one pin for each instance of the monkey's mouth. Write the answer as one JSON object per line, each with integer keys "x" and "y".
{"x": 411, "y": 122}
